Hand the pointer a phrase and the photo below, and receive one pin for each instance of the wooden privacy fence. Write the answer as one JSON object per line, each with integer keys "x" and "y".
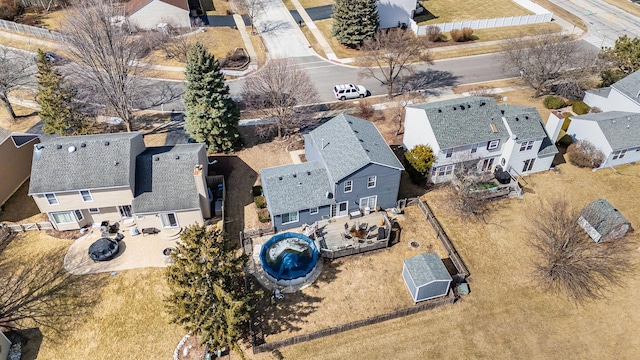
{"x": 427, "y": 305}
{"x": 463, "y": 272}
{"x": 4, "y": 232}
{"x": 16, "y": 228}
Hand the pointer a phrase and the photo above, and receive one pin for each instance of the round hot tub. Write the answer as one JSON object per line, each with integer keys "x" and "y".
{"x": 289, "y": 258}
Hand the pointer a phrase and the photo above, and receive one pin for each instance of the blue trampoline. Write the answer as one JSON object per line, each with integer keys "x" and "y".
{"x": 289, "y": 256}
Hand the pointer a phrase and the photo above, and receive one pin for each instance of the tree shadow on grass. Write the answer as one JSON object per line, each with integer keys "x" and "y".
{"x": 430, "y": 82}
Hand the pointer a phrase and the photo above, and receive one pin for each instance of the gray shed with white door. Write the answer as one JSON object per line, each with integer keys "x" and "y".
{"x": 426, "y": 277}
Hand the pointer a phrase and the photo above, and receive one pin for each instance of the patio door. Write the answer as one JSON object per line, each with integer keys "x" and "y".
{"x": 125, "y": 211}
{"x": 487, "y": 164}
{"x": 369, "y": 202}
{"x": 343, "y": 209}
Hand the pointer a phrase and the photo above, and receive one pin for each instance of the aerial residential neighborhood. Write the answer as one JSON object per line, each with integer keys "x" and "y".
{"x": 319, "y": 179}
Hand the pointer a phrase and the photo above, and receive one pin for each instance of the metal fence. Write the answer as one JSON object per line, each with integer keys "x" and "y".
{"x": 427, "y": 305}
{"x": 31, "y": 30}
{"x": 484, "y": 23}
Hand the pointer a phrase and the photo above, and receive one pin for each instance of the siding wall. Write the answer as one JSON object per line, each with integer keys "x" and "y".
{"x": 463, "y": 154}
{"x": 303, "y": 218}
{"x": 393, "y": 11}
{"x": 73, "y": 201}
{"x": 409, "y": 282}
{"x": 433, "y": 289}
{"x": 615, "y": 102}
{"x": 15, "y": 166}
{"x": 516, "y": 158}
{"x": 386, "y": 189}
{"x": 417, "y": 130}
{"x": 590, "y": 131}
{"x": 158, "y": 12}
{"x": 185, "y": 218}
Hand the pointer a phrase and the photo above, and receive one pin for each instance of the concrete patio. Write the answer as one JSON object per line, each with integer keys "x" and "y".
{"x": 134, "y": 252}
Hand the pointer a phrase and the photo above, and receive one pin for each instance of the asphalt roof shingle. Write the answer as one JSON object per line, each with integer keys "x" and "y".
{"x": 525, "y": 122}
{"x": 74, "y": 163}
{"x": 165, "y": 180}
{"x": 621, "y": 129}
{"x": 135, "y": 5}
{"x": 296, "y": 187}
{"x": 464, "y": 121}
{"x": 602, "y": 216}
{"x": 347, "y": 144}
{"x": 630, "y": 86}
{"x": 426, "y": 268}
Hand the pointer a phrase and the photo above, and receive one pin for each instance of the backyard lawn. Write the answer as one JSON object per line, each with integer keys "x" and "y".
{"x": 441, "y": 11}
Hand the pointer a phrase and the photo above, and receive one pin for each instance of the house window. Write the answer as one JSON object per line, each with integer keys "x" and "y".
{"x": 526, "y": 145}
{"x": 474, "y": 148}
{"x": 528, "y": 165}
{"x": 313, "y": 211}
{"x": 449, "y": 152}
{"x": 348, "y": 186}
{"x": 493, "y": 144}
{"x": 94, "y": 210}
{"x": 169, "y": 220}
{"x": 445, "y": 170}
{"x": 65, "y": 217}
{"x": 487, "y": 164}
{"x": 290, "y": 218}
{"x": 371, "y": 182}
{"x": 619, "y": 154}
{"x": 52, "y": 199}
{"x": 86, "y": 195}
{"x": 79, "y": 215}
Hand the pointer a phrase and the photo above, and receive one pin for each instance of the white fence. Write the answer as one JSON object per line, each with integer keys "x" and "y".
{"x": 30, "y": 30}
{"x": 485, "y": 23}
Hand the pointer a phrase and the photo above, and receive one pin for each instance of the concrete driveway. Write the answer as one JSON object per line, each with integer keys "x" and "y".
{"x": 135, "y": 252}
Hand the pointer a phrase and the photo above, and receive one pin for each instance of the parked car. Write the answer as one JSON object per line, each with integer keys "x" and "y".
{"x": 349, "y": 91}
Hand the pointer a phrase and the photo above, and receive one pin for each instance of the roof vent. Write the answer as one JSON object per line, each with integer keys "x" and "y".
{"x": 106, "y": 143}
{"x": 71, "y": 149}
{"x": 308, "y": 172}
{"x": 517, "y": 119}
{"x": 157, "y": 158}
{"x": 526, "y": 117}
{"x": 328, "y": 195}
{"x": 116, "y": 163}
{"x": 280, "y": 178}
{"x": 38, "y": 147}
{"x": 295, "y": 175}
{"x": 360, "y": 140}
{"x": 177, "y": 157}
{"x": 83, "y": 145}
{"x": 613, "y": 121}
{"x": 58, "y": 146}
{"x": 355, "y": 131}
{"x": 483, "y": 103}
{"x": 439, "y": 110}
{"x": 454, "y": 108}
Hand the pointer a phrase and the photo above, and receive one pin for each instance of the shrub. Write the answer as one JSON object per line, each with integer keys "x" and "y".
{"x": 434, "y": 33}
{"x": 419, "y": 161}
{"x": 584, "y": 154}
{"x": 260, "y": 201}
{"x": 256, "y": 190}
{"x": 365, "y": 109}
{"x": 467, "y": 34}
{"x": 9, "y": 10}
{"x": 263, "y": 216}
{"x": 553, "y": 102}
{"x": 463, "y": 35}
{"x": 580, "y": 108}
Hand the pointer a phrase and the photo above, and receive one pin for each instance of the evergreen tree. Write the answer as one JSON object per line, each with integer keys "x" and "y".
{"x": 211, "y": 116}
{"x": 55, "y": 98}
{"x": 354, "y": 21}
{"x": 624, "y": 58}
{"x": 208, "y": 296}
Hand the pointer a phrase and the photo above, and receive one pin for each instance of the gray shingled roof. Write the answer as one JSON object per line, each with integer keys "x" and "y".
{"x": 295, "y": 187}
{"x": 621, "y": 129}
{"x": 426, "y": 268}
{"x": 604, "y": 92}
{"x": 347, "y": 144}
{"x": 525, "y": 122}
{"x": 464, "y": 121}
{"x": 602, "y": 216}
{"x": 91, "y": 165}
{"x": 629, "y": 86}
{"x": 164, "y": 179}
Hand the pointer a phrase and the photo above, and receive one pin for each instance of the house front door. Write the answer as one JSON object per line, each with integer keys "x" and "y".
{"x": 343, "y": 209}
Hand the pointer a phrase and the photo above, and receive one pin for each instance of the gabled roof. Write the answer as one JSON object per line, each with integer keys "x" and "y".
{"x": 73, "y": 163}
{"x": 464, "y": 121}
{"x": 296, "y": 187}
{"x": 426, "y": 268}
{"x": 525, "y": 122}
{"x": 630, "y": 86}
{"x": 621, "y": 129}
{"x": 135, "y": 5}
{"x": 602, "y": 216}
{"x": 347, "y": 144}
{"x": 165, "y": 180}
{"x": 603, "y": 92}
{"x": 19, "y": 139}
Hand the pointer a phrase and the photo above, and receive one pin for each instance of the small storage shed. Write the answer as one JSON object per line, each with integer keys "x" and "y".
{"x": 603, "y": 222}
{"x": 426, "y": 277}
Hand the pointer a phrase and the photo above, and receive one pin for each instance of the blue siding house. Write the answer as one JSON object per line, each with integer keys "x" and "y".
{"x": 349, "y": 169}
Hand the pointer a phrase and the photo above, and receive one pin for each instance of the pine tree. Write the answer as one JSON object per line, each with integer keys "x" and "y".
{"x": 208, "y": 296}
{"x": 211, "y": 115}
{"x": 55, "y": 98}
{"x": 354, "y": 21}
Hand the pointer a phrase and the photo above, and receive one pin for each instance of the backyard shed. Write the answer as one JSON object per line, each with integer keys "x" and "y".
{"x": 603, "y": 222}
{"x": 426, "y": 277}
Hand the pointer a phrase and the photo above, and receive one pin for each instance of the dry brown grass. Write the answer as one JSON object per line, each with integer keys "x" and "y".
{"x": 258, "y": 46}
{"x": 507, "y": 316}
{"x": 53, "y": 19}
{"x": 450, "y": 10}
{"x": 27, "y": 118}
{"x": 21, "y": 208}
{"x": 340, "y": 50}
{"x": 626, "y": 6}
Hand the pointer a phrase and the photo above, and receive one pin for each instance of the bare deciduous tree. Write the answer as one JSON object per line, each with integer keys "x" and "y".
{"x": 253, "y": 8}
{"x": 279, "y": 91}
{"x": 464, "y": 196}
{"x": 14, "y": 72}
{"x": 548, "y": 58}
{"x": 390, "y": 53}
{"x": 41, "y": 292}
{"x": 568, "y": 261}
{"x": 107, "y": 54}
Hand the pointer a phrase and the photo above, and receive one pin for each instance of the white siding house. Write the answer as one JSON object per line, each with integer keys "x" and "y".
{"x": 475, "y": 131}
{"x": 623, "y": 95}
{"x": 394, "y": 13}
{"x": 148, "y": 14}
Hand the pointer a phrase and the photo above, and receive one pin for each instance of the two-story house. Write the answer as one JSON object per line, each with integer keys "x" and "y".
{"x": 350, "y": 168}
{"x": 80, "y": 180}
{"x": 623, "y": 95}
{"x": 475, "y": 132}
{"x": 16, "y": 150}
